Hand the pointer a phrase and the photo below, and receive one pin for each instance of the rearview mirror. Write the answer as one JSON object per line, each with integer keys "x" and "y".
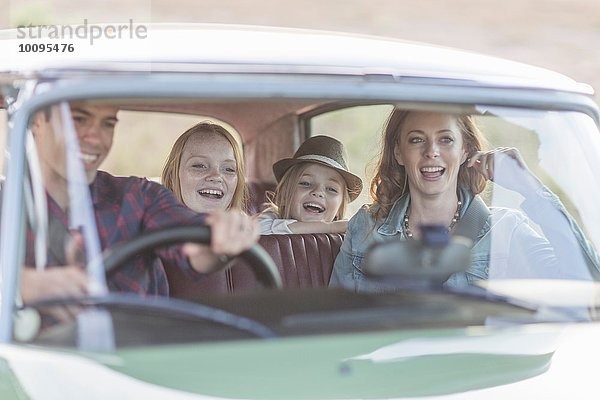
{"x": 426, "y": 262}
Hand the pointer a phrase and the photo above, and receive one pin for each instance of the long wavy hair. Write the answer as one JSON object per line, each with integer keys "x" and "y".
{"x": 391, "y": 182}
{"x": 281, "y": 200}
{"x": 170, "y": 173}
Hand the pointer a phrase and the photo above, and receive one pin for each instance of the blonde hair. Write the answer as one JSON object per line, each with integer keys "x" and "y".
{"x": 390, "y": 181}
{"x": 170, "y": 173}
{"x": 280, "y": 200}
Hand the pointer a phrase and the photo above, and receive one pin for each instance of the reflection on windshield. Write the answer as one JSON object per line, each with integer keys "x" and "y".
{"x": 518, "y": 184}
{"x": 95, "y": 327}
{"x": 63, "y": 226}
{"x": 80, "y": 213}
{"x": 436, "y": 167}
{"x": 565, "y": 147}
{"x": 517, "y": 342}
{"x": 556, "y": 146}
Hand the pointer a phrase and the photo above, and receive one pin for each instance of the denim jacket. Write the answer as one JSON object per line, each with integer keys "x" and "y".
{"x": 506, "y": 247}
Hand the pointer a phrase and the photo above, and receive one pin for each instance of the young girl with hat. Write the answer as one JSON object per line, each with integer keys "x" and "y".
{"x": 314, "y": 187}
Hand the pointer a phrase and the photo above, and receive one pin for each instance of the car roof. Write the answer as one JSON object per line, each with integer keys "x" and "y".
{"x": 184, "y": 48}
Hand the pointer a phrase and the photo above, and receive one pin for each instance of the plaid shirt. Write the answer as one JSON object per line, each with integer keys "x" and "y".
{"x": 126, "y": 207}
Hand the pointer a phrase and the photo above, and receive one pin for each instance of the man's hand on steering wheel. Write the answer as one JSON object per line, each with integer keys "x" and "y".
{"x": 232, "y": 232}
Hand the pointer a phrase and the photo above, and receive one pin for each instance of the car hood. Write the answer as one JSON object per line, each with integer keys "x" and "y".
{"x": 549, "y": 361}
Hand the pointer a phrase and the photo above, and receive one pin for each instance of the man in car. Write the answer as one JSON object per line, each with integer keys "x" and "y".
{"x": 124, "y": 207}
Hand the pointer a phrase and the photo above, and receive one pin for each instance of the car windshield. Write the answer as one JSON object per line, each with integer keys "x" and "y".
{"x": 532, "y": 258}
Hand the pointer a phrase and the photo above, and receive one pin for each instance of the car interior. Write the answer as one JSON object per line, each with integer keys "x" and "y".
{"x": 270, "y": 130}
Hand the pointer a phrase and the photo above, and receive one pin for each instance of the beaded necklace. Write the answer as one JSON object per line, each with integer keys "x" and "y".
{"x": 455, "y": 219}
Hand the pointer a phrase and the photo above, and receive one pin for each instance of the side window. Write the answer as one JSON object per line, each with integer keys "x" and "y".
{"x": 360, "y": 129}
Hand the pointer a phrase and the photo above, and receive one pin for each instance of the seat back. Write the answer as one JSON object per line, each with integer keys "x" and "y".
{"x": 304, "y": 261}
{"x": 182, "y": 286}
{"x": 257, "y": 195}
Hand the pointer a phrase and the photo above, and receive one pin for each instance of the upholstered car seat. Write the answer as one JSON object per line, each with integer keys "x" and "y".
{"x": 257, "y": 196}
{"x": 304, "y": 261}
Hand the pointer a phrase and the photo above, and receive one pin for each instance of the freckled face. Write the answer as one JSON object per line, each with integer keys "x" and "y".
{"x": 318, "y": 194}
{"x": 207, "y": 172}
{"x": 430, "y": 147}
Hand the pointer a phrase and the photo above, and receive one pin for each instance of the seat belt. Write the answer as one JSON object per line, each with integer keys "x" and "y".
{"x": 474, "y": 220}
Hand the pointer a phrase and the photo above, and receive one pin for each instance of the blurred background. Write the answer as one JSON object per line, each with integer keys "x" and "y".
{"x": 562, "y": 35}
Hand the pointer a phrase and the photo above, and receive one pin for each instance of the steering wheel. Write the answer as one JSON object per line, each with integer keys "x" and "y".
{"x": 258, "y": 259}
